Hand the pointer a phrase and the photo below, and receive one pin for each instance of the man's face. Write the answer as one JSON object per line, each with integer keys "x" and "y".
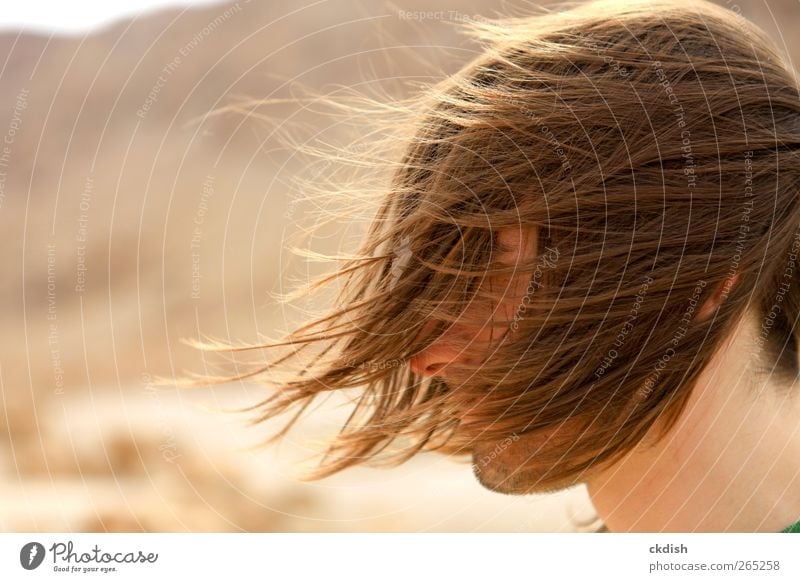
{"x": 459, "y": 339}
{"x": 508, "y": 465}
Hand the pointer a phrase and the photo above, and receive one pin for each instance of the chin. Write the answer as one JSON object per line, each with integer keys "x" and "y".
{"x": 509, "y": 467}
{"x": 504, "y": 485}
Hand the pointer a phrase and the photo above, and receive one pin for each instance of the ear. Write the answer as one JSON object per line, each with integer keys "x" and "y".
{"x": 713, "y": 302}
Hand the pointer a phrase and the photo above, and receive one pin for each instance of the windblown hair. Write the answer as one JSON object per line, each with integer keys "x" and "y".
{"x": 655, "y": 149}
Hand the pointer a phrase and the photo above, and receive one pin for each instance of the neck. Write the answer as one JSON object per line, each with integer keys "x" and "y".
{"x": 730, "y": 463}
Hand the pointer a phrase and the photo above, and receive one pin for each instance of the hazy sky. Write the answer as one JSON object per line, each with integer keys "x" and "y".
{"x": 78, "y": 16}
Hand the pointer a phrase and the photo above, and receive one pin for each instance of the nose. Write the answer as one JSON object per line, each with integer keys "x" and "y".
{"x": 433, "y": 360}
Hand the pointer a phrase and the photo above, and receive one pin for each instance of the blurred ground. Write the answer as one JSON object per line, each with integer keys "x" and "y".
{"x": 132, "y": 462}
{"x": 129, "y": 224}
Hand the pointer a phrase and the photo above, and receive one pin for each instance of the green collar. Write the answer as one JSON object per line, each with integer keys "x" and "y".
{"x": 794, "y": 528}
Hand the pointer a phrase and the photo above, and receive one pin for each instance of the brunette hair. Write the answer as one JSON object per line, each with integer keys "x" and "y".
{"x": 655, "y": 149}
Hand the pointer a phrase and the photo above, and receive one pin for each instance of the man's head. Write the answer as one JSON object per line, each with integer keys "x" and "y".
{"x": 585, "y": 212}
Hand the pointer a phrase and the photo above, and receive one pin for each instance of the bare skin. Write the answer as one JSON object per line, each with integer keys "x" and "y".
{"x": 729, "y": 464}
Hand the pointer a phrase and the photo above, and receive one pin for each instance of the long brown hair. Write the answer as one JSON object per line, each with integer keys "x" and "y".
{"x": 654, "y": 148}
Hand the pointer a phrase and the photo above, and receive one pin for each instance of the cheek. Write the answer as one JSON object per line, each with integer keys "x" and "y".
{"x": 515, "y": 298}
{"x": 512, "y": 451}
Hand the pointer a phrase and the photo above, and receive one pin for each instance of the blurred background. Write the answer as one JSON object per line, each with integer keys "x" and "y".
{"x": 131, "y": 219}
